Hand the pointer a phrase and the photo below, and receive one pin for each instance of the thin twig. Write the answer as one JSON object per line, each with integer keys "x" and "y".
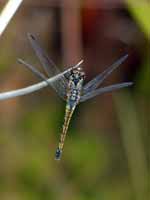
{"x": 35, "y": 87}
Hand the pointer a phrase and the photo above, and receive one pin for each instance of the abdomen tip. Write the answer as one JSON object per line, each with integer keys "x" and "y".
{"x": 58, "y": 154}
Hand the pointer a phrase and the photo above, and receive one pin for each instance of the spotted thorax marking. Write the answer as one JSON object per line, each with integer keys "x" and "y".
{"x": 75, "y": 85}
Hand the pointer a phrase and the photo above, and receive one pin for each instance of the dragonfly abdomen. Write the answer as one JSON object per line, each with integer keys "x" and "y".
{"x": 68, "y": 115}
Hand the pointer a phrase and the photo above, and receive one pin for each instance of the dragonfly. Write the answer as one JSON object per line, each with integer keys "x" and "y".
{"x": 70, "y": 86}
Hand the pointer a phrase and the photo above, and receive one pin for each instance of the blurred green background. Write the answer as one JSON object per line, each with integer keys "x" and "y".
{"x": 106, "y": 154}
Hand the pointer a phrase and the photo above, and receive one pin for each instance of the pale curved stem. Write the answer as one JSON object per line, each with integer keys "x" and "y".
{"x": 23, "y": 91}
{"x": 35, "y": 87}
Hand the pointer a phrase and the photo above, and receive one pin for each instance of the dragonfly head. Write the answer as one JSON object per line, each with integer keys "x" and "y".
{"x": 77, "y": 75}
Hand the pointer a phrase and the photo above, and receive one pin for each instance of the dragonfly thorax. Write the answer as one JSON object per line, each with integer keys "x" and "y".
{"x": 75, "y": 85}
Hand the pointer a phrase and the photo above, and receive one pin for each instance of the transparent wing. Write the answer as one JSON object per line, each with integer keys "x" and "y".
{"x": 61, "y": 92}
{"x": 50, "y": 68}
{"x": 104, "y": 90}
{"x": 33, "y": 69}
{"x": 94, "y": 83}
{"x": 48, "y": 65}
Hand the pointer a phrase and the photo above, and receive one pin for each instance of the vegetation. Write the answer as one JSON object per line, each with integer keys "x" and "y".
{"x": 106, "y": 154}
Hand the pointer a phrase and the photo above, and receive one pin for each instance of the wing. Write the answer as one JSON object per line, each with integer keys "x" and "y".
{"x": 61, "y": 91}
{"x": 94, "y": 83}
{"x": 104, "y": 90}
{"x": 33, "y": 69}
{"x": 50, "y": 68}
